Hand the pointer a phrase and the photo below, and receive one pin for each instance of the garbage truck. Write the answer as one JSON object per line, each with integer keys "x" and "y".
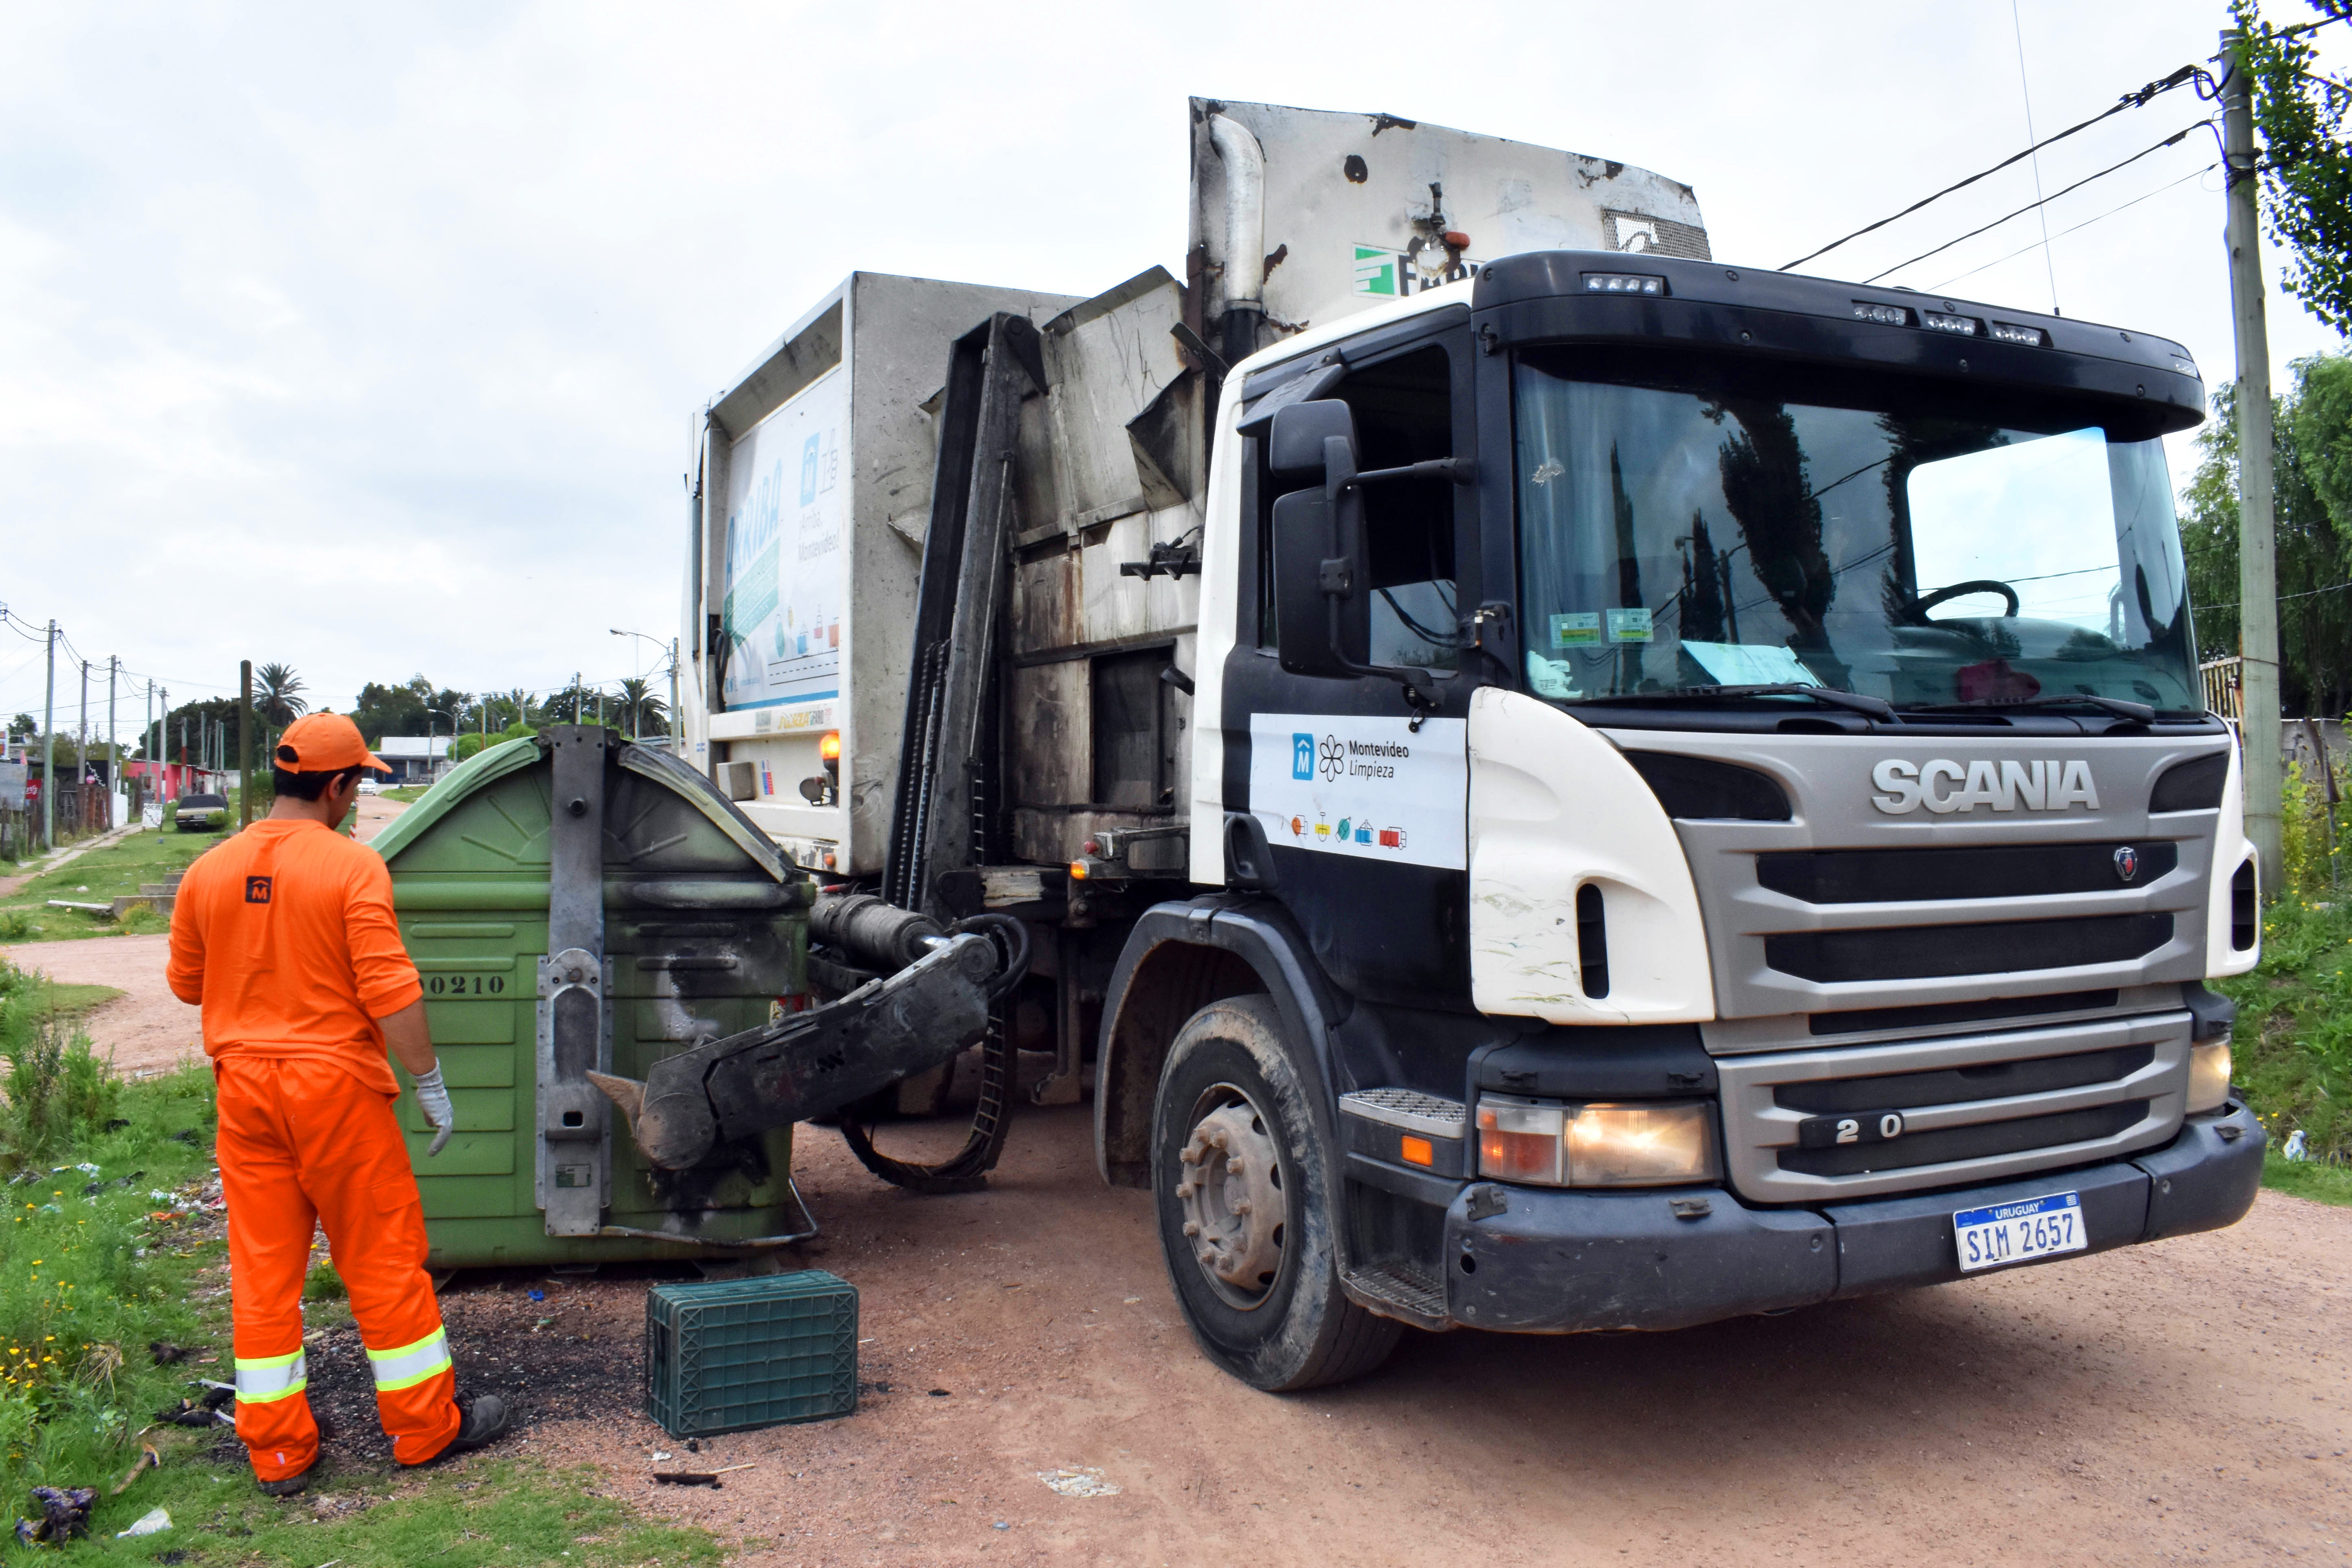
{"x": 1540, "y": 781}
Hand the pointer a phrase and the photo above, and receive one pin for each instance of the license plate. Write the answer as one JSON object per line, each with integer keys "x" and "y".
{"x": 2014, "y": 1233}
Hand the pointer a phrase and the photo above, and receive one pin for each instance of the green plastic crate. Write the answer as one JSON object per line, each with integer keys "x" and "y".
{"x": 727, "y": 1355}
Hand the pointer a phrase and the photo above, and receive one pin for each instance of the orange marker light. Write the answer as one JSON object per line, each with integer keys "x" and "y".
{"x": 1078, "y": 870}
{"x": 830, "y": 747}
{"x": 1417, "y": 1151}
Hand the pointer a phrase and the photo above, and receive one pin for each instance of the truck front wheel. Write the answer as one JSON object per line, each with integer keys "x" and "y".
{"x": 1240, "y": 1180}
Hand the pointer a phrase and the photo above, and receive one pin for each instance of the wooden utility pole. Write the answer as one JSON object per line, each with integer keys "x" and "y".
{"x": 49, "y": 748}
{"x": 244, "y": 743}
{"x": 2258, "y": 724}
{"x": 113, "y": 752}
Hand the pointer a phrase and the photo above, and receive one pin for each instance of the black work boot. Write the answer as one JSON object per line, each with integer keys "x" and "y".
{"x": 482, "y": 1419}
{"x": 287, "y": 1487}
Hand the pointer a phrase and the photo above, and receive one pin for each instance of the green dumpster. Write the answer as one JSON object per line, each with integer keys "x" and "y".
{"x": 702, "y": 924}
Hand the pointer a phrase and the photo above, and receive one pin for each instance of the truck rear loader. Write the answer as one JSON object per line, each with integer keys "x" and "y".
{"x": 1547, "y": 782}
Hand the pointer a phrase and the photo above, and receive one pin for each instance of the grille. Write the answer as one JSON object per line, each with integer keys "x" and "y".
{"x": 1991, "y": 871}
{"x": 1920, "y": 952}
{"x": 1950, "y": 1143}
{"x": 1870, "y": 1020}
{"x": 1973, "y": 1107}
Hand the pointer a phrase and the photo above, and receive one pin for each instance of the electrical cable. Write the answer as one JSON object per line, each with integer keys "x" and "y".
{"x": 2170, "y": 141}
{"x": 2025, "y": 92}
{"x": 2282, "y": 599}
{"x": 2128, "y": 100}
{"x": 2084, "y": 224}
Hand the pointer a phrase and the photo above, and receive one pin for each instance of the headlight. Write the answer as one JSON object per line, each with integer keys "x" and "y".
{"x": 2208, "y": 1075}
{"x": 1636, "y": 1145}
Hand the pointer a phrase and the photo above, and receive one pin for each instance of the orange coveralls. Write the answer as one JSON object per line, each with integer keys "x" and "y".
{"x": 285, "y": 935}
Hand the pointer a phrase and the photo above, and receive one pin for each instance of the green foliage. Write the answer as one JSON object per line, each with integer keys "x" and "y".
{"x": 469, "y": 744}
{"x": 275, "y": 689}
{"x": 60, "y": 1096}
{"x": 2313, "y": 457}
{"x": 2305, "y": 167}
{"x": 322, "y": 1283}
{"x": 2327, "y": 1183}
{"x": 2292, "y": 1047}
{"x": 408, "y": 709}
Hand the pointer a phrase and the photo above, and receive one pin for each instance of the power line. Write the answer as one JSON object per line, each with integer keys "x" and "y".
{"x": 2087, "y": 223}
{"x": 2282, "y": 599}
{"x": 2025, "y": 92}
{"x": 2128, "y": 100}
{"x": 2170, "y": 141}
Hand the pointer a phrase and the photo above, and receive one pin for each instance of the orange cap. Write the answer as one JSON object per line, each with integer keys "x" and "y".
{"x": 324, "y": 743}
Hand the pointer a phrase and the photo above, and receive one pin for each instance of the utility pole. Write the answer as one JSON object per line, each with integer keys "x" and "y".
{"x": 245, "y": 744}
{"x": 113, "y": 752}
{"x": 2258, "y": 729}
{"x": 50, "y": 749}
{"x": 81, "y": 745}
{"x": 677, "y": 735}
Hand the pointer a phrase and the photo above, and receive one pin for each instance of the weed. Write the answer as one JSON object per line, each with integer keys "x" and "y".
{"x": 322, "y": 1283}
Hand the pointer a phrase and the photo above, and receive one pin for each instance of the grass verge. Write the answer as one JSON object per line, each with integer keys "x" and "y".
{"x": 2291, "y": 1048}
{"x": 96, "y": 877}
{"x": 115, "y": 1244}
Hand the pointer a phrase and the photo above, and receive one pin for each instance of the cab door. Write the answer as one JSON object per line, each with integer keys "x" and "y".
{"x": 1361, "y": 793}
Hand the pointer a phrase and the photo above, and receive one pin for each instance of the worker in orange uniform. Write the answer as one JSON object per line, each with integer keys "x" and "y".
{"x": 285, "y": 935}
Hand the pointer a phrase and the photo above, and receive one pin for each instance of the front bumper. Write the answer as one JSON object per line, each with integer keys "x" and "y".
{"x": 1556, "y": 1261}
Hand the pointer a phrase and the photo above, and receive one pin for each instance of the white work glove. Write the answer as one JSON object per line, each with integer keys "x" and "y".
{"x": 433, "y": 1098}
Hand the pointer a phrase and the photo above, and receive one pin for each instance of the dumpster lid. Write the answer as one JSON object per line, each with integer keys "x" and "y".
{"x": 495, "y": 763}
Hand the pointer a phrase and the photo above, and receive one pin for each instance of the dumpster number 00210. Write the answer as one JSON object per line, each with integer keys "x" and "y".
{"x": 466, "y": 986}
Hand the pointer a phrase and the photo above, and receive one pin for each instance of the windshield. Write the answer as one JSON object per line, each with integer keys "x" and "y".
{"x": 1686, "y": 523}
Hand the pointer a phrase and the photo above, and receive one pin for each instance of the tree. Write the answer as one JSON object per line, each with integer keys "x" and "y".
{"x": 2312, "y": 454}
{"x": 640, "y": 712}
{"x": 274, "y": 694}
{"x": 2305, "y": 166}
{"x": 408, "y": 708}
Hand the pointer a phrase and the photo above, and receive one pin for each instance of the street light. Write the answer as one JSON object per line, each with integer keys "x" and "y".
{"x": 670, "y": 650}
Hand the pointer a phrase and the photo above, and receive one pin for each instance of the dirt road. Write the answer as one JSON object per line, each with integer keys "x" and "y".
{"x": 147, "y": 1028}
{"x": 2183, "y": 1401}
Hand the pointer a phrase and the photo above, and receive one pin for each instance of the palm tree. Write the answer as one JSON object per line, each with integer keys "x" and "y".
{"x": 274, "y": 702}
{"x": 274, "y": 694}
{"x": 638, "y": 706}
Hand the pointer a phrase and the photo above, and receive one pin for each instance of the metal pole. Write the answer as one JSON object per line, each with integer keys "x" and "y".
{"x": 244, "y": 743}
{"x": 2258, "y": 728}
{"x": 676, "y": 744}
{"x": 50, "y": 749}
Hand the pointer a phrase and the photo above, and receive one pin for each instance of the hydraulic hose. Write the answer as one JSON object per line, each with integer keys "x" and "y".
{"x": 967, "y": 1170}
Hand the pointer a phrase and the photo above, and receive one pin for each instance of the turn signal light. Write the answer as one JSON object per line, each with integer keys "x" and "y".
{"x": 829, "y": 748}
{"x": 1417, "y": 1151}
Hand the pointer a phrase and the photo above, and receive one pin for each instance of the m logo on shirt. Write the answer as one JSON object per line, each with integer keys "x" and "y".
{"x": 256, "y": 889}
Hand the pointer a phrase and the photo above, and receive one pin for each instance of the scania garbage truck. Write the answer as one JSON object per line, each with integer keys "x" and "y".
{"x": 1542, "y": 781}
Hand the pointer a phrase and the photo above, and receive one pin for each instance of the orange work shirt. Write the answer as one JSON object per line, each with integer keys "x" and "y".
{"x": 285, "y": 935}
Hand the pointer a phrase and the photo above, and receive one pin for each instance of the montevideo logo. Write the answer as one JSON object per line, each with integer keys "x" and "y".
{"x": 1332, "y": 758}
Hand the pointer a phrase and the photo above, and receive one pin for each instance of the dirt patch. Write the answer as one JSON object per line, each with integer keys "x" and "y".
{"x": 2186, "y": 1399}
{"x": 147, "y": 1028}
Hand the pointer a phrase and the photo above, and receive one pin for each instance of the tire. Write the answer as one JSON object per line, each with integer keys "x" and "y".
{"x": 1268, "y": 1309}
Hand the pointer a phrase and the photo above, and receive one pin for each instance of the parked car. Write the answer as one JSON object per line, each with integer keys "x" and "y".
{"x": 209, "y": 812}
{"x": 369, "y": 787}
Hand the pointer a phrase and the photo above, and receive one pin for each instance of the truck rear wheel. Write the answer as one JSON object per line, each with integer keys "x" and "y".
{"x": 1241, "y": 1181}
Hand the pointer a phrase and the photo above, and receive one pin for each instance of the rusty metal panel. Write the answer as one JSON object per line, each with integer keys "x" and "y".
{"x": 1354, "y": 209}
{"x": 1046, "y": 720}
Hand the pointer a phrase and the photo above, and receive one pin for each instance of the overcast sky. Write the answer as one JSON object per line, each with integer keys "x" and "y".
{"x": 371, "y": 339}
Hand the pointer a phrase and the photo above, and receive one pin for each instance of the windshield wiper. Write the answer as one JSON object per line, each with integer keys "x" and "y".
{"x": 1853, "y": 701}
{"x": 2138, "y": 712}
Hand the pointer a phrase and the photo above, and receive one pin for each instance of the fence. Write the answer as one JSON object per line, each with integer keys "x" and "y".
{"x": 81, "y": 812}
{"x": 2224, "y": 690}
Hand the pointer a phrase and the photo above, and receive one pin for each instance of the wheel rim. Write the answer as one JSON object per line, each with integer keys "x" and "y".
{"x": 1229, "y": 1185}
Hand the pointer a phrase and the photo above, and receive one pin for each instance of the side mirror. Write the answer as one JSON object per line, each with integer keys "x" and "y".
{"x": 1322, "y": 615}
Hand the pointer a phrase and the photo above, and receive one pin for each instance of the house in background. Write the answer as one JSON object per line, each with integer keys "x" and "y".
{"x": 414, "y": 758}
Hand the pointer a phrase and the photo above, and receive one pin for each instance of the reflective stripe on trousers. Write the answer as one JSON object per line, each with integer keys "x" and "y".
{"x": 261, "y": 1379}
{"x": 408, "y": 1365}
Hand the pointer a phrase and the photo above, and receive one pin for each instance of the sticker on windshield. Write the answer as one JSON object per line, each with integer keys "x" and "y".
{"x": 1629, "y": 625}
{"x": 1577, "y": 629}
{"x": 1372, "y": 788}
